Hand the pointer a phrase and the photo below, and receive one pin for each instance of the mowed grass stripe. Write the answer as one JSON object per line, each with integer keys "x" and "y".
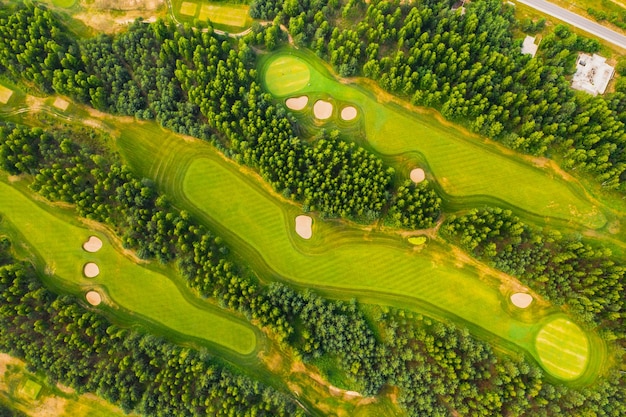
{"x": 563, "y": 349}
{"x": 127, "y": 284}
{"x": 328, "y": 261}
{"x": 463, "y": 166}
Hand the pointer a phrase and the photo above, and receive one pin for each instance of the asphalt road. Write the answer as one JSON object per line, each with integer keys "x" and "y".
{"x": 577, "y": 21}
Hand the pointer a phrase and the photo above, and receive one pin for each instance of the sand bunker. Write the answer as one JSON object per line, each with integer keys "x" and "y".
{"x": 303, "y": 227}
{"x": 322, "y": 109}
{"x": 521, "y": 300}
{"x": 61, "y": 104}
{"x": 297, "y": 103}
{"x": 348, "y": 113}
{"x": 94, "y": 298}
{"x": 94, "y": 244}
{"x": 418, "y": 175}
{"x": 91, "y": 270}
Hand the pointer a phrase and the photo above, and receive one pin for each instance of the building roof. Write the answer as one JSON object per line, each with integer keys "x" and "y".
{"x": 592, "y": 74}
{"x": 529, "y": 47}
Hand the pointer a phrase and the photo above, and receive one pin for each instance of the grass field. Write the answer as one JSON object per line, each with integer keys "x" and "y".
{"x": 260, "y": 227}
{"x": 235, "y": 15}
{"x": 563, "y": 349}
{"x": 188, "y": 8}
{"x": 463, "y": 166}
{"x": 5, "y": 94}
{"x": 134, "y": 288}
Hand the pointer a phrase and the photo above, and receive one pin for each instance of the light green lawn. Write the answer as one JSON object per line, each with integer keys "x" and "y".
{"x": 461, "y": 165}
{"x": 126, "y": 284}
{"x": 563, "y": 349}
{"x": 188, "y": 8}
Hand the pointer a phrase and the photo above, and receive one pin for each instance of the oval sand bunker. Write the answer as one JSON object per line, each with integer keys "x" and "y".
{"x": 94, "y": 244}
{"x": 94, "y": 298}
{"x": 348, "y": 113}
{"x": 418, "y": 175}
{"x": 521, "y": 300}
{"x": 297, "y": 103}
{"x": 322, "y": 109}
{"x": 91, "y": 270}
{"x": 303, "y": 227}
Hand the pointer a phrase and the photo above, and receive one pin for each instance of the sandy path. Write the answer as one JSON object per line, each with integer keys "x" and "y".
{"x": 304, "y": 226}
{"x": 322, "y": 109}
{"x": 521, "y": 300}
{"x": 418, "y": 175}
{"x": 348, "y": 113}
{"x": 94, "y": 244}
{"x": 297, "y": 103}
{"x": 91, "y": 270}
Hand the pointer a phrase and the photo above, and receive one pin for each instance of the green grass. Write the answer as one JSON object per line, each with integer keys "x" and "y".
{"x": 188, "y": 8}
{"x": 31, "y": 389}
{"x": 137, "y": 289}
{"x": 418, "y": 240}
{"x": 461, "y": 163}
{"x": 234, "y": 15}
{"x": 64, "y": 3}
{"x": 5, "y": 94}
{"x": 563, "y": 349}
{"x": 338, "y": 259}
{"x": 286, "y": 75}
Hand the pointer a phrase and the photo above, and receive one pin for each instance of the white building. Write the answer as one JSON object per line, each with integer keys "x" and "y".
{"x": 592, "y": 74}
{"x": 529, "y": 47}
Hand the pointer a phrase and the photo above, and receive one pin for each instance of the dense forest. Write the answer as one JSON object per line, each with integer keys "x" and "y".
{"x": 470, "y": 68}
{"x": 197, "y": 83}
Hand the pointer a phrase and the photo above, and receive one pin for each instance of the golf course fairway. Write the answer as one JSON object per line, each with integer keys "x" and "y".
{"x": 121, "y": 281}
{"x": 462, "y": 167}
{"x": 260, "y": 226}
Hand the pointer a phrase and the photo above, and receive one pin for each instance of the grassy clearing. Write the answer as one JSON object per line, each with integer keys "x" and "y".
{"x": 563, "y": 349}
{"x": 234, "y": 15}
{"x": 462, "y": 165}
{"x": 134, "y": 288}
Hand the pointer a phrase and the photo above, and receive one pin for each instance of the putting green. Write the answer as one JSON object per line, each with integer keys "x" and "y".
{"x": 259, "y": 225}
{"x": 563, "y": 349}
{"x": 130, "y": 286}
{"x": 286, "y": 74}
{"x": 5, "y": 94}
{"x": 462, "y": 167}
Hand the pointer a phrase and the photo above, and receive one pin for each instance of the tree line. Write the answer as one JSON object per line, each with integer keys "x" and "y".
{"x": 470, "y": 68}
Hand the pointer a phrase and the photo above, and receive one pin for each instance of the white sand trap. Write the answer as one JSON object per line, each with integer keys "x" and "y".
{"x": 61, "y": 104}
{"x": 418, "y": 175}
{"x": 91, "y": 270}
{"x": 521, "y": 300}
{"x": 297, "y": 103}
{"x": 303, "y": 227}
{"x": 94, "y": 244}
{"x": 348, "y": 113}
{"x": 94, "y": 298}
{"x": 322, "y": 109}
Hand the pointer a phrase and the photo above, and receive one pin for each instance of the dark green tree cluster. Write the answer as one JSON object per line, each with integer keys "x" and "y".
{"x": 415, "y": 206}
{"x": 469, "y": 67}
{"x": 6, "y": 411}
{"x": 140, "y": 373}
{"x": 565, "y": 270}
